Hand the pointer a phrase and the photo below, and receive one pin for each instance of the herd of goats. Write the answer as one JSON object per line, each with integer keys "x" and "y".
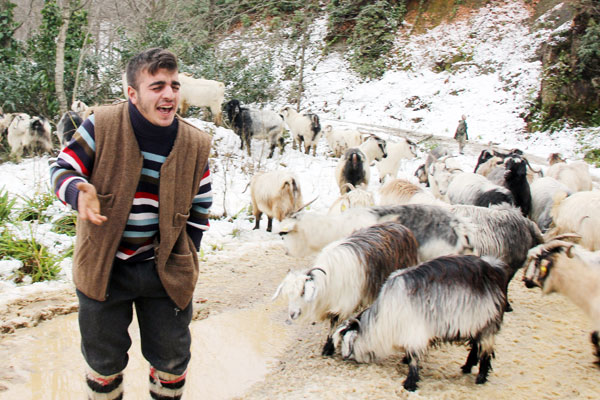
{"x": 431, "y": 262}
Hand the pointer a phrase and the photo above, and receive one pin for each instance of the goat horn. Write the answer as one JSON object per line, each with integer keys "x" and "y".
{"x": 349, "y": 185}
{"x": 307, "y": 204}
{"x": 316, "y": 269}
{"x": 565, "y": 236}
{"x": 531, "y": 168}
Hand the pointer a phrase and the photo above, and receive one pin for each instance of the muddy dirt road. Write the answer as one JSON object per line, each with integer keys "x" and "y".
{"x": 244, "y": 349}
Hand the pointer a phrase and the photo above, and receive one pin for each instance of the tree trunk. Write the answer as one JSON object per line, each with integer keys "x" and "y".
{"x": 59, "y": 71}
{"x": 304, "y": 45}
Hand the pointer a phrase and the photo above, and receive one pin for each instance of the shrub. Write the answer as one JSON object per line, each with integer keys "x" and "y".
{"x": 34, "y": 207}
{"x": 6, "y": 206}
{"x": 38, "y": 262}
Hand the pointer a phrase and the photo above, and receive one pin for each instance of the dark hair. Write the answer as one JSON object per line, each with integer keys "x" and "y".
{"x": 151, "y": 60}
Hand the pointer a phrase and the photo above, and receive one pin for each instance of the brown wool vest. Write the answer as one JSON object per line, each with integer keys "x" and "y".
{"x": 115, "y": 175}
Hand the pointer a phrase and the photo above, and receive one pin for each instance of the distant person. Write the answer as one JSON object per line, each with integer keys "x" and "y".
{"x": 138, "y": 176}
{"x": 461, "y": 134}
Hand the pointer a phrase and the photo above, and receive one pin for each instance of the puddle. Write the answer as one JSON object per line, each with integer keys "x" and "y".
{"x": 230, "y": 352}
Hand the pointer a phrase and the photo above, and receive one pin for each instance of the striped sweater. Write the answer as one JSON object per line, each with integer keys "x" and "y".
{"x": 75, "y": 164}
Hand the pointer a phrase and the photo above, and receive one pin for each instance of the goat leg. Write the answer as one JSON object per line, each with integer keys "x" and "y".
{"x": 410, "y": 383}
{"x": 472, "y": 358}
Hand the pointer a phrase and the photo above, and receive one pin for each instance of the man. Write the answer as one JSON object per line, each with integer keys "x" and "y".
{"x": 461, "y": 134}
{"x": 122, "y": 163}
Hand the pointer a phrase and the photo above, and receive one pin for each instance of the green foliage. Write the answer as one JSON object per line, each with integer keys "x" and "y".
{"x": 38, "y": 262}
{"x": 34, "y": 207}
{"x": 369, "y": 28}
{"x": 65, "y": 225}
{"x": 588, "y": 51}
{"x": 6, "y": 206}
{"x": 9, "y": 47}
{"x": 593, "y": 157}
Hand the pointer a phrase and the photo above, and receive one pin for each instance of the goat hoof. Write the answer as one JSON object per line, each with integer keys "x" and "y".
{"x": 508, "y": 308}
{"x": 481, "y": 379}
{"x": 410, "y": 385}
{"x": 466, "y": 369}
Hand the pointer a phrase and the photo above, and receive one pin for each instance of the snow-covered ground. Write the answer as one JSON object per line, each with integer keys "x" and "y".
{"x": 493, "y": 91}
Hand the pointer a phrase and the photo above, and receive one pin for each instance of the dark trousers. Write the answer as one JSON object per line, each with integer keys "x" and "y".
{"x": 164, "y": 329}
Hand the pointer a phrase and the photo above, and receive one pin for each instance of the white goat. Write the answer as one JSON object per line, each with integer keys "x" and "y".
{"x": 437, "y": 230}
{"x": 475, "y": 189}
{"x": 348, "y": 274}
{"x": 543, "y": 191}
{"x": 422, "y": 172}
{"x": 440, "y": 174}
{"x": 571, "y": 270}
{"x": 340, "y": 140}
{"x": 277, "y": 194}
{"x": 396, "y": 152}
{"x": 356, "y": 197}
{"x": 28, "y": 132}
{"x": 201, "y": 93}
{"x": 354, "y": 167}
{"x": 575, "y": 175}
{"x": 579, "y": 213}
{"x": 80, "y": 107}
{"x": 449, "y": 299}
{"x": 5, "y": 120}
{"x": 305, "y": 128}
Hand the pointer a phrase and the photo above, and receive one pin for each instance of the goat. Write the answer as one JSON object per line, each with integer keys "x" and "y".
{"x": 422, "y": 172}
{"x": 501, "y": 232}
{"x": 448, "y": 299}
{"x": 28, "y": 132}
{"x": 201, "y": 93}
{"x": 396, "y": 151}
{"x": 486, "y": 162}
{"x": 260, "y": 124}
{"x": 348, "y": 274}
{"x": 67, "y": 126}
{"x": 80, "y": 107}
{"x": 475, "y": 189}
{"x": 575, "y": 175}
{"x": 340, "y": 140}
{"x": 5, "y": 120}
{"x": 356, "y": 197}
{"x": 579, "y": 213}
{"x": 440, "y": 173}
{"x": 305, "y": 128}
{"x": 437, "y": 230}
{"x": 400, "y": 191}
{"x": 543, "y": 191}
{"x": 354, "y": 167}
{"x": 514, "y": 178}
{"x": 491, "y": 162}
{"x": 275, "y": 193}
{"x": 569, "y": 269}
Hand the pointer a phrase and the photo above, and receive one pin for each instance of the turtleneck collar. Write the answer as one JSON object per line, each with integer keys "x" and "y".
{"x": 144, "y": 128}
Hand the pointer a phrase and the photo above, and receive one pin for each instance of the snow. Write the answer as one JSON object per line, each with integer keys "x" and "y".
{"x": 493, "y": 90}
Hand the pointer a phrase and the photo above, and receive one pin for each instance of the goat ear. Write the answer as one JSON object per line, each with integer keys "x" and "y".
{"x": 310, "y": 290}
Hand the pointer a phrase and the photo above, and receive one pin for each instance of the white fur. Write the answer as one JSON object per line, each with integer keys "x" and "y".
{"x": 201, "y": 93}
{"x": 575, "y": 175}
{"x": 396, "y": 152}
{"x": 340, "y": 140}
{"x": 466, "y": 187}
{"x": 20, "y": 134}
{"x": 300, "y": 125}
{"x": 579, "y": 213}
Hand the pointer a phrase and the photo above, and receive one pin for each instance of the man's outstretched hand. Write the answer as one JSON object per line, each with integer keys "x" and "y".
{"x": 88, "y": 205}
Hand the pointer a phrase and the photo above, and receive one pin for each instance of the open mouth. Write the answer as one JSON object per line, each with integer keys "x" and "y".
{"x": 165, "y": 109}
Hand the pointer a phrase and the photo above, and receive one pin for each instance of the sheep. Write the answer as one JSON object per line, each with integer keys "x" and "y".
{"x": 305, "y": 128}
{"x": 448, "y": 299}
{"x": 260, "y": 124}
{"x": 25, "y": 131}
{"x": 67, "y": 126}
{"x": 579, "y": 213}
{"x": 543, "y": 191}
{"x": 422, "y": 172}
{"x": 437, "y": 230}
{"x": 571, "y": 270}
{"x": 400, "y": 191}
{"x": 396, "y": 151}
{"x": 575, "y": 175}
{"x": 354, "y": 167}
{"x": 514, "y": 178}
{"x": 201, "y": 93}
{"x": 277, "y": 194}
{"x": 348, "y": 274}
{"x": 440, "y": 174}
{"x": 475, "y": 189}
{"x": 356, "y": 197}
{"x": 501, "y": 232}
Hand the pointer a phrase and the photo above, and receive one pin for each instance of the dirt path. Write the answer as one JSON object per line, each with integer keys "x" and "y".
{"x": 542, "y": 352}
